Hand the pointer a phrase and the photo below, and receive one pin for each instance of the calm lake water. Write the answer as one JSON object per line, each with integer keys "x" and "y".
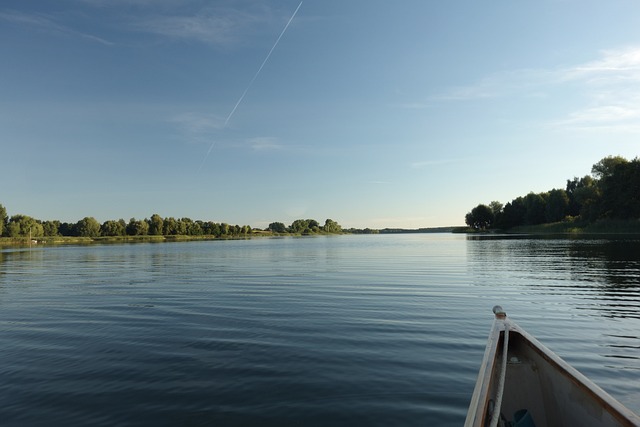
{"x": 342, "y": 330}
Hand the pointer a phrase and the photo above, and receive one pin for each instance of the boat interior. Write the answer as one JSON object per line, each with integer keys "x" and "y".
{"x": 540, "y": 389}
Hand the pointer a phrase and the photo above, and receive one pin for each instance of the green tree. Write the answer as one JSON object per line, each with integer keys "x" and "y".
{"x": 175, "y": 227}
{"x": 513, "y": 214}
{"x": 185, "y": 225}
{"x": 156, "y": 225}
{"x": 88, "y": 227}
{"x": 313, "y": 225}
{"x": 587, "y": 197}
{"x": 24, "y": 226}
{"x": 195, "y": 229}
{"x": 170, "y": 227}
{"x": 51, "y": 228}
{"x": 182, "y": 225}
{"x": 224, "y": 229}
{"x": 606, "y": 167}
{"x": 536, "y": 206}
{"x": 572, "y": 188}
{"x": 113, "y": 228}
{"x": 481, "y": 217}
{"x": 620, "y": 190}
{"x": 299, "y": 226}
{"x": 207, "y": 227}
{"x": 4, "y": 219}
{"x": 67, "y": 229}
{"x": 137, "y": 227}
{"x": 496, "y": 207}
{"x": 579, "y": 191}
{"x": 277, "y": 227}
{"x": 213, "y": 229}
{"x": 330, "y": 226}
{"x": 557, "y": 205}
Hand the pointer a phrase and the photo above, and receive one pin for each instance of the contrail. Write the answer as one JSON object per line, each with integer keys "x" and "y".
{"x": 255, "y": 76}
{"x": 262, "y": 65}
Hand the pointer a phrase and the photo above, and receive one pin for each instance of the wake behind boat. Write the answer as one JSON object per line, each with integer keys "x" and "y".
{"x": 522, "y": 383}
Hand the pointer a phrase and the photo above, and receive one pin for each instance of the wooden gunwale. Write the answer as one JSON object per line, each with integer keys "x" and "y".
{"x": 477, "y": 407}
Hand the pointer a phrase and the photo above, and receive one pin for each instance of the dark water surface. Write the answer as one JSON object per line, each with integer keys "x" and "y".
{"x": 343, "y": 330}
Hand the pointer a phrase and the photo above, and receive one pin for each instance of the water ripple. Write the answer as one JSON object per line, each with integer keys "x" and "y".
{"x": 350, "y": 330}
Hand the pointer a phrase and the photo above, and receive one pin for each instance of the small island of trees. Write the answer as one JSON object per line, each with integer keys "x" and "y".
{"x": 606, "y": 200}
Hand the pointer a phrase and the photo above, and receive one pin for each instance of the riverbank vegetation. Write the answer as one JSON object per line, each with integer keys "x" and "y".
{"x": 607, "y": 201}
{"x": 21, "y": 228}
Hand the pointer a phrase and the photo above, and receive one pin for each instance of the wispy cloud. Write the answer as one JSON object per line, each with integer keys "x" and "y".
{"x": 615, "y": 66}
{"x": 218, "y": 26}
{"x": 604, "y": 118}
{"x": 604, "y": 113}
{"x": 264, "y": 143}
{"x": 610, "y": 86}
{"x": 523, "y": 82}
{"x": 201, "y": 128}
{"x": 198, "y": 123}
{"x": 48, "y": 24}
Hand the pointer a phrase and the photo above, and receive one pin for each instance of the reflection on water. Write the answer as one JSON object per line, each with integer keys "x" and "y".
{"x": 603, "y": 272}
{"x": 349, "y": 330}
{"x": 580, "y": 296}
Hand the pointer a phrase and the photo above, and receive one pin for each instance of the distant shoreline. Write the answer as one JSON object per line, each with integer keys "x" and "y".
{"x": 74, "y": 240}
{"x": 609, "y": 227}
{"x": 70, "y": 240}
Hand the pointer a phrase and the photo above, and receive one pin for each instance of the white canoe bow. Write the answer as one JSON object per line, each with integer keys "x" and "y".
{"x": 523, "y": 383}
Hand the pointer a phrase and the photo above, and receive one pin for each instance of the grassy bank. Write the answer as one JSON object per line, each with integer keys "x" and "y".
{"x": 66, "y": 240}
{"x": 605, "y": 226}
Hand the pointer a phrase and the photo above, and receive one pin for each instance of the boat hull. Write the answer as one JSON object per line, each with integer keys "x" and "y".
{"x": 536, "y": 380}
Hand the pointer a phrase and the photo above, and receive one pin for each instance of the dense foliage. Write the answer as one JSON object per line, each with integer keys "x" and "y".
{"x": 18, "y": 226}
{"x": 612, "y": 191}
{"x": 306, "y": 226}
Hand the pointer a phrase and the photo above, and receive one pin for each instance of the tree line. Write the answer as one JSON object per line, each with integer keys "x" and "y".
{"x": 612, "y": 191}
{"x": 305, "y": 226}
{"x": 20, "y": 226}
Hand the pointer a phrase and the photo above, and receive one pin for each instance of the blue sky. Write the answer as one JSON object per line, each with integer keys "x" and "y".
{"x": 372, "y": 113}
